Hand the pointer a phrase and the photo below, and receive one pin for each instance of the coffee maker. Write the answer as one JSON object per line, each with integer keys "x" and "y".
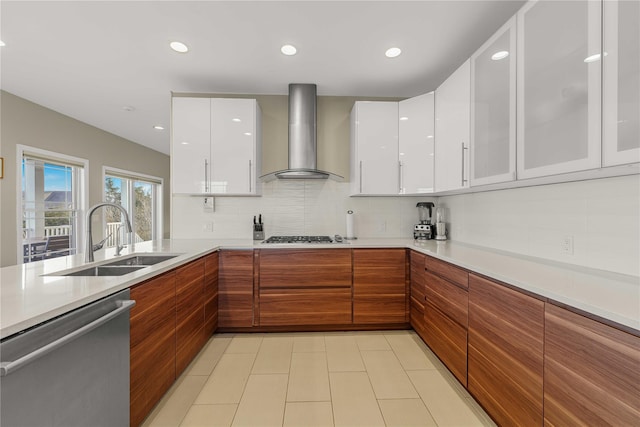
{"x": 424, "y": 230}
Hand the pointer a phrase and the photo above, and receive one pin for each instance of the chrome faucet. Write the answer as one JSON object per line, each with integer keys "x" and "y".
{"x": 89, "y": 248}
{"x": 119, "y": 245}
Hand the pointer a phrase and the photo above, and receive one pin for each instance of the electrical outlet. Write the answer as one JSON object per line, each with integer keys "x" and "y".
{"x": 208, "y": 206}
{"x": 566, "y": 245}
{"x": 208, "y": 226}
{"x": 383, "y": 226}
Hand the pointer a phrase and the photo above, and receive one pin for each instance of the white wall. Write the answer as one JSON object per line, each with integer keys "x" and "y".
{"x": 296, "y": 207}
{"x": 602, "y": 215}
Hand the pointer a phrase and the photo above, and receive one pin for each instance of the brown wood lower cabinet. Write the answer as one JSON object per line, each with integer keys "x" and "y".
{"x": 307, "y": 287}
{"x": 235, "y": 288}
{"x": 294, "y": 307}
{"x": 506, "y": 333}
{"x": 416, "y": 292}
{"x": 153, "y": 344}
{"x": 445, "y": 323}
{"x": 591, "y": 372}
{"x": 190, "y": 335}
{"x": 211, "y": 293}
{"x": 379, "y": 286}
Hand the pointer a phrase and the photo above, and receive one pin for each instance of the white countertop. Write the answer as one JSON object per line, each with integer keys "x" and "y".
{"x": 29, "y": 296}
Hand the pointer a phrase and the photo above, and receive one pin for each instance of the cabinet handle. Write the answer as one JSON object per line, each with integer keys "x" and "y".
{"x": 463, "y": 148}
{"x": 250, "y": 175}
{"x": 206, "y": 176}
{"x": 360, "y": 176}
{"x": 400, "y": 176}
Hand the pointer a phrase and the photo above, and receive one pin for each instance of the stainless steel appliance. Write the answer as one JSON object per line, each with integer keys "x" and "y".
{"x": 70, "y": 371}
{"x": 300, "y": 239}
{"x": 441, "y": 226}
{"x": 424, "y": 229}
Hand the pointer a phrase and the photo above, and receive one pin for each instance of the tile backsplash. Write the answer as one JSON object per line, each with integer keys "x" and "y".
{"x": 296, "y": 207}
{"x": 600, "y": 216}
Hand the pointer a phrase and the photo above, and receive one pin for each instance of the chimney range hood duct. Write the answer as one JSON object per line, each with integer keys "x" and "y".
{"x": 302, "y": 137}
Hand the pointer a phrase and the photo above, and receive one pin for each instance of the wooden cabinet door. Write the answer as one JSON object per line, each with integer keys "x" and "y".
{"x": 446, "y": 320}
{"x": 235, "y": 289}
{"x": 304, "y": 287}
{"x": 506, "y": 332}
{"x": 591, "y": 372}
{"x": 379, "y": 286}
{"x": 211, "y": 293}
{"x": 190, "y": 335}
{"x": 153, "y": 344}
{"x": 417, "y": 289}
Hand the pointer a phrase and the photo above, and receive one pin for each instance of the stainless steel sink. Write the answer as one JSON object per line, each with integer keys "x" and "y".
{"x": 144, "y": 260}
{"x": 105, "y": 270}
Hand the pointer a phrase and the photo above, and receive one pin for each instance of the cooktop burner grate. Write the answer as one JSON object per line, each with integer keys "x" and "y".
{"x": 299, "y": 239}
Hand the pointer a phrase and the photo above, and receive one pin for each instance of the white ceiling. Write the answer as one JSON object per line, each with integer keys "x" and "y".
{"x": 90, "y": 59}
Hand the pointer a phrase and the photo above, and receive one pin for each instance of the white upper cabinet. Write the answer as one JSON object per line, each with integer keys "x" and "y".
{"x": 452, "y": 106}
{"x": 621, "y": 79}
{"x": 416, "y": 144}
{"x": 559, "y": 85}
{"x": 493, "y": 109}
{"x": 374, "y": 148}
{"x": 234, "y": 132}
{"x": 190, "y": 145}
{"x": 215, "y": 146}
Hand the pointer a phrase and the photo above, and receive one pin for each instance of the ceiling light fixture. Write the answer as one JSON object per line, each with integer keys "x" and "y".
{"x": 236, "y": 120}
{"x": 393, "y": 52}
{"x": 184, "y": 143}
{"x": 499, "y": 55}
{"x": 404, "y": 118}
{"x": 248, "y": 133}
{"x": 2, "y": 43}
{"x": 158, "y": 127}
{"x": 179, "y": 47}
{"x": 288, "y": 50}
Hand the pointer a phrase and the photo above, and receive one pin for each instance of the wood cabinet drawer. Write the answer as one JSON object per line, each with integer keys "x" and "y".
{"x": 371, "y": 309}
{"x": 448, "y": 340}
{"x": 448, "y": 271}
{"x": 283, "y": 268}
{"x": 380, "y": 270}
{"x": 417, "y": 317}
{"x": 591, "y": 372}
{"x": 417, "y": 272}
{"x": 305, "y": 307}
{"x": 450, "y": 299}
{"x": 235, "y": 288}
{"x": 506, "y": 331}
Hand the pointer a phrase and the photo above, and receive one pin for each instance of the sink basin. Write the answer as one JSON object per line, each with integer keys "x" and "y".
{"x": 105, "y": 270}
{"x": 144, "y": 260}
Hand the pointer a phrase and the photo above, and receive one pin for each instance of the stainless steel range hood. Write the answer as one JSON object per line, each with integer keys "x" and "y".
{"x": 302, "y": 137}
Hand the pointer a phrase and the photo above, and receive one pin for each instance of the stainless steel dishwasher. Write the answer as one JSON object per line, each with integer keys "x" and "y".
{"x": 70, "y": 371}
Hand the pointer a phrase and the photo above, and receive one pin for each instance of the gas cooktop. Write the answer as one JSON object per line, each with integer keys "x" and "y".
{"x": 299, "y": 239}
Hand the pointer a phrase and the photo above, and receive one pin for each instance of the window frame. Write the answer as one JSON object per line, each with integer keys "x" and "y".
{"x": 83, "y": 191}
{"x": 157, "y": 221}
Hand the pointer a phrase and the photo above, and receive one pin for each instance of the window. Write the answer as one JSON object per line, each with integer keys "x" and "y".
{"x": 51, "y": 201}
{"x": 141, "y": 196}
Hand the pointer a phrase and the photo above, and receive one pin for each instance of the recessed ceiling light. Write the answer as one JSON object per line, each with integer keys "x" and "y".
{"x": 184, "y": 143}
{"x": 2, "y": 43}
{"x": 158, "y": 127}
{"x": 288, "y": 50}
{"x": 248, "y": 133}
{"x": 236, "y": 120}
{"x": 429, "y": 136}
{"x": 393, "y": 52}
{"x": 179, "y": 47}
{"x": 404, "y": 118}
{"x": 499, "y": 55}
{"x": 128, "y": 108}
{"x": 593, "y": 58}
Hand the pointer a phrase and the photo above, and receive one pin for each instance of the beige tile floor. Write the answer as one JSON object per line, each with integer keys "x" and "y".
{"x": 317, "y": 379}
